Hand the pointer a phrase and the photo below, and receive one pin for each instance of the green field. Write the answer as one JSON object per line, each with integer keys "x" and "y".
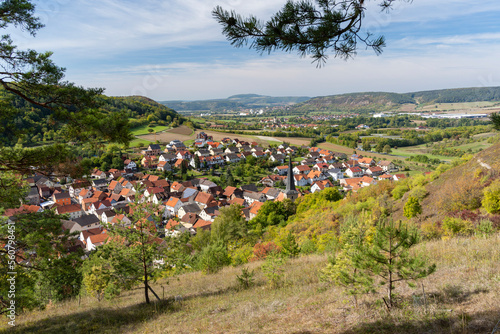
{"x": 411, "y": 151}
{"x": 135, "y": 142}
{"x": 143, "y": 130}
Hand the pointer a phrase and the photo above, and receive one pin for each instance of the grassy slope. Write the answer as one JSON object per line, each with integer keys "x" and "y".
{"x": 143, "y": 130}
{"x": 461, "y": 297}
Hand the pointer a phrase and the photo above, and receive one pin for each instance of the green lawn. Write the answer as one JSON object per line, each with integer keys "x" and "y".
{"x": 136, "y": 141}
{"x": 143, "y": 130}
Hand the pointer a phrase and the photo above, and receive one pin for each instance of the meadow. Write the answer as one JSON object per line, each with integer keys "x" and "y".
{"x": 460, "y": 297}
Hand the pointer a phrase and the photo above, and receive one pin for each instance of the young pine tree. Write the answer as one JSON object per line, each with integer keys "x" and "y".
{"x": 388, "y": 257}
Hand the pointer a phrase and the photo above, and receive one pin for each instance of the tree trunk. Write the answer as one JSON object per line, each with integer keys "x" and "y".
{"x": 146, "y": 294}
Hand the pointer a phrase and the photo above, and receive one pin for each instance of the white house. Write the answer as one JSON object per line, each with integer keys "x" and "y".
{"x": 172, "y": 206}
{"x": 354, "y": 172}
{"x": 335, "y": 173}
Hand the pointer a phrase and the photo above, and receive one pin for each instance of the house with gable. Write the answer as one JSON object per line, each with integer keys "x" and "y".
{"x": 86, "y": 222}
{"x": 315, "y": 175}
{"x": 335, "y": 173}
{"x": 232, "y": 193}
{"x": 203, "y": 199}
{"x": 277, "y": 158}
{"x": 189, "y": 208}
{"x": 254, "y": 209}
{"x": 172, "y": 206}
{"x": 366, "y": 162}
{"x": 301, "y": 169}
{"x": 73, "y": 210}
{"x": 251, "y": 196}
{"x": 164, "y": 166}
{"x": 209, "y": 213}
{"x": 320, "y": 185}
{"x": 321, "y": 167}
{"x": 95, "y": 241}
{"x": 374, "y": 171}
{"x": 271, "y": 193}
{"x": 202, "y": 224}
{"x": 281, "y": 170}
{"x": 130, "y": 166}
{"x": 387, "y": 166}
{"x": 115, "y": 187}
{"x": 354, "y": 172}
{"x": 232, "y": 158}
{"x": 61, "y": 198}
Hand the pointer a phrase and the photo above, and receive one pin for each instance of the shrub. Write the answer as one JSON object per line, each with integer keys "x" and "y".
{"x": 213, "y": 258}
{"x": 399, "y": 191}
{"x": 491, "y": 199}
{"x": 430, "y": 230}
{"x": 245, "y": 280}
{"x": 456, "y": 226}
{"x": 241, "y": 254}
{"x": 485, "y": 228}
{"x": 273, "y": 270}
{"x": 419, "y": 192}
{"x": 289, "y": 246}
{"x": 412, "y": 207}
{"x": 308, "y": 247}
{"x": 262, "y": 250}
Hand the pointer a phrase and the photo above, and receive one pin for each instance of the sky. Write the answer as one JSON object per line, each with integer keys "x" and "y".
{"x": 175, "y": 50}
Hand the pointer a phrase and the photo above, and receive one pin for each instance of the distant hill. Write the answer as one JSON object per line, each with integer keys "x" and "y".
{"x": 352, "y": 102}
{"x": 235, "y": 102}
{"x": 383, "y": 101}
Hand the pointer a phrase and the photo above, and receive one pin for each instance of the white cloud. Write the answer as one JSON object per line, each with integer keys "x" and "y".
{"x": 126, "y": 46}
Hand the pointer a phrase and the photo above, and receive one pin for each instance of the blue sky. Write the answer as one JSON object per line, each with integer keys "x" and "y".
{"x": 174, "y": 49}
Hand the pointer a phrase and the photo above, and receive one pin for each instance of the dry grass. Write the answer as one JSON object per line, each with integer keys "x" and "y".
{"x": 461, "y": 297}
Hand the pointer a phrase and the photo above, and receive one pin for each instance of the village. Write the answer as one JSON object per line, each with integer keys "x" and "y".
{"x": 89, "y": 204}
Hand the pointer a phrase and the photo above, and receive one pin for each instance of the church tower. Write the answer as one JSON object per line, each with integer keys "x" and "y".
{"x": 290, "y": 191}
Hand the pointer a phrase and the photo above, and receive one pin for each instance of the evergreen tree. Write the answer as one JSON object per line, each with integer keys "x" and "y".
{"x": 196, "y": 161}
{"x": 388, "y": 257}
{"x": 33, "y": 77}
{"x": 310, "y": 28}
{"x": 495, "y": 119}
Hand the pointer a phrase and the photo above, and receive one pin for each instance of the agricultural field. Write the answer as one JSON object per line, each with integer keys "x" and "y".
{"x": 470, "y": 107}
{"x": 182, "y": 133}
{"x": 143, "y": 130}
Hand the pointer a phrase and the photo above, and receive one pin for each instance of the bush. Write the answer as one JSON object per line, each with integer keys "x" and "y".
{"x": 456, "y": 226}
{"x": 262, "y": 250}
{"x": 430, "y": 230}
{"x": 273, "y": 270}
{"x": 308, "y": 247}
{"x": 213, "y": 258}
{"x": 412, "y": 207}
{"x": 419, "y": 192}
{"x": 399, "y": 191}
{"x": 491, "y": 199}
{"x": 245, "y": 280}
{"x": 485, "y": 228}
{"x": 241, "y": 255}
